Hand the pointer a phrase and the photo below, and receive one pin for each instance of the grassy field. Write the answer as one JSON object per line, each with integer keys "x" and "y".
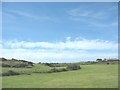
{"x": 90, "y": 76}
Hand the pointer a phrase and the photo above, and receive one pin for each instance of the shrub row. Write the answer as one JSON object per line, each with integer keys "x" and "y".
{"x": 15, "y": 63}
{"x": 23, "y": 65}
{"x": 68, "y": 68}
{"x": 10, "y": 73}
{"x": 73, "y": 67}
{"x": 57, "y": 70}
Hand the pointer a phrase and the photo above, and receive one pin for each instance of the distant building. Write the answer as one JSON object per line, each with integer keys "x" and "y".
{"x": 99, "y": 60}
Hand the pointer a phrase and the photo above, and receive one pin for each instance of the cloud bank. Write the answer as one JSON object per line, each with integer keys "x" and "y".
{"x": 79, "y": 49}
{"x": 77, "y": 44}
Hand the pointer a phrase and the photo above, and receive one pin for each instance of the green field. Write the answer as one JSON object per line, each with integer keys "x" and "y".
{"x": 90, "y": 76}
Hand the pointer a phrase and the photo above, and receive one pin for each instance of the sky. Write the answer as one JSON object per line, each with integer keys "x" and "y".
{"x": 59, "y": 32}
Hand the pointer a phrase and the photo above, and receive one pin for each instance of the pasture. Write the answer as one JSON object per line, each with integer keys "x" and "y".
{"x": 90, "y": 76}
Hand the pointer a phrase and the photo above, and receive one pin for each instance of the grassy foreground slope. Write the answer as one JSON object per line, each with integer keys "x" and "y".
{"x": 90, "y": 76}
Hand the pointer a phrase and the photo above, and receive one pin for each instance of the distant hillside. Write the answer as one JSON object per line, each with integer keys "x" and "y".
{"x": 15, "y": 63}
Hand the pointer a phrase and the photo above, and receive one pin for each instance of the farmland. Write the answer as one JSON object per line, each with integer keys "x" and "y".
{"x": 90, "y": 76}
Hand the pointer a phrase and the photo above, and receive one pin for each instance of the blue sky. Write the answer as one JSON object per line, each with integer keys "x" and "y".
{"x": 60, "y": 32}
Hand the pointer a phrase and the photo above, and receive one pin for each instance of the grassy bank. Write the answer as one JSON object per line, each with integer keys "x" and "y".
{"x": 90, "y": 76}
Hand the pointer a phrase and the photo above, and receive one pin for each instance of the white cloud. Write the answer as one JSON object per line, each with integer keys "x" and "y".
{"x": 95, "y": 18}
{"x": 68, "y": 51}
{"x": 83, "y": 44}
{"x": 68, "y": 39}
{"x": 23, "y": 14}
{"x": 91, "y": 12}
{"x": 87, "y": 12}
{"x": 49, "y": 56}
{"x": 29, "y": 15}
{"x": 79, "y": 12}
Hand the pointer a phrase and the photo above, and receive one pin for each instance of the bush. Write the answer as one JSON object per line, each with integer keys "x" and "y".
{"x": 3, "y": 59}
{"x": 73, "y": 67}
{"x": 57, "y": 70}
{"x": 5, "y": 65}
{"x": 15, "y": 63}
{"x": 10, "y": 73}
